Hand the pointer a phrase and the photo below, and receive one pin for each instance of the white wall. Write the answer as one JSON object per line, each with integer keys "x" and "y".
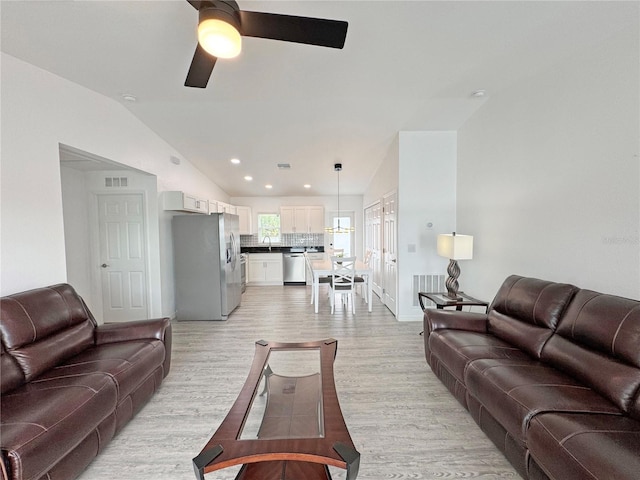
{"x": 41, "y": 111}
{"x": 426, "y": 195}
{"x": 75, "y": 206}
{"x": 549, "y": 176}
{"x": 385, "y": 178}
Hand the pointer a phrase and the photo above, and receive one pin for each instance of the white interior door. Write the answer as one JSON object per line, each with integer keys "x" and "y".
{"x": 389, "y": 248}
{"x": 123, "y": 257}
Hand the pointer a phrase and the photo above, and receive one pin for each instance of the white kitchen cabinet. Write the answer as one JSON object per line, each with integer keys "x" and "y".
{"x": 287, "y": 220}
{"x": 316, "y": 219}
{"x": 273, "y": 272}
{"x": 302, "y": 219}
{"x": 226, "y": 208}
{"x": 184, "y": 202}
{"x": 265, "y": 269}
{"x": 245, "y": 220}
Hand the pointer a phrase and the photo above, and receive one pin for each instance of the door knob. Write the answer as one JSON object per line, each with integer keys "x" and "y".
{"x": 104, "y": 265}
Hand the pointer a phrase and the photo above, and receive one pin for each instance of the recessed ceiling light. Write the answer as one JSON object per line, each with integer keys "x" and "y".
{"x": 129, "y": 98}
{"x": 306, "y": 185}
{"x": 269, "y": 186}
{"x": 248, "y": 178}
{"x": 479, "y": 93}
{"x": 235, "y": 161}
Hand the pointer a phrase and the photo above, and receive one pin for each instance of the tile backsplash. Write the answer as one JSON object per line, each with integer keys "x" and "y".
{"x": 288, "y": 240}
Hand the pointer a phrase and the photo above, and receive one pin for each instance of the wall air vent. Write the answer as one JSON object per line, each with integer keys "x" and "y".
{"x": 427, "y": 283}
{"x": 284, "y": 166}
{"x": 116, "y": 182}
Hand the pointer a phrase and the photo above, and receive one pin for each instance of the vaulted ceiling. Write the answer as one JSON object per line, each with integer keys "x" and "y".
{"x": 406, "y": 65}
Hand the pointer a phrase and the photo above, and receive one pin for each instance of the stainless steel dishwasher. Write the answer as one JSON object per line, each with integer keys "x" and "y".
{"x": 294, "y": 268}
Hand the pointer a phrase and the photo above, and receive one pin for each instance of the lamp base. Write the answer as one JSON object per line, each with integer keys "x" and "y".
{"x": 452, "y": 297}
{"x": 452, "y": 282}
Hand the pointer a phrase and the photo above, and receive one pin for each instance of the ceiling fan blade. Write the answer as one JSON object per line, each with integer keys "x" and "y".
{"x": 200, "y": 69}
{"x": 311, "y": 31}
{"x": 197, "y": 4}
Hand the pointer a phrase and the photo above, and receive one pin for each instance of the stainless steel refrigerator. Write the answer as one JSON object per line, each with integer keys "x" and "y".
{"x": 206, "y": 253}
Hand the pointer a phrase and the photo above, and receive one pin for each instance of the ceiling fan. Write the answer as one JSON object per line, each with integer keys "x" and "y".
{"x": 221, "y": 25}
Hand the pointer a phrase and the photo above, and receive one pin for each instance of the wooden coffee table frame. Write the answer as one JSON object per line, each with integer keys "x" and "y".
{"x": 267, "y": 459}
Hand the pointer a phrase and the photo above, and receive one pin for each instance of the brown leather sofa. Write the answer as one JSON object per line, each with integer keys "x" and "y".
{"x": 551, "y": 374}
{"x": 68, "y": 384}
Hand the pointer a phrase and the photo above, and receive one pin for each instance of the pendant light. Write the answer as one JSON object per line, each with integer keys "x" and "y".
{"x": 338, "y": 229}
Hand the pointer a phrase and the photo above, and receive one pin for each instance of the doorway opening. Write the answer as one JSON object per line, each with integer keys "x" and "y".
{"x": 345, "y": 241}
{"x": 111, "y": 230}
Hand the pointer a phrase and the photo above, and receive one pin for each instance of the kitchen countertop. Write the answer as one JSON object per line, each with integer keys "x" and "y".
{"x": 280, "y": 249}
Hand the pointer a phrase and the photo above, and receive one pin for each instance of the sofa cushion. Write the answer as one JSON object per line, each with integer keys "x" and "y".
{"x": 604, "y": 323}
{"x": 44, "y": 326}
{"x": 11, "y": 375}
{"x": 45, "y": 419}
{"x": 525, "y": 311}
{"x": 597, "y": 343}
{"x": 515, "y": 390}
{"x": 40, "y": 356}
{"x": 456, "y": 348}
{"x": 585, "y": 446}
{"x": 127, "y": 364}
{"x": 153, "y": 329}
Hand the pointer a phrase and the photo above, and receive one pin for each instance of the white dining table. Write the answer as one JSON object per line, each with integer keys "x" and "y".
{"x": 322, "y": 268}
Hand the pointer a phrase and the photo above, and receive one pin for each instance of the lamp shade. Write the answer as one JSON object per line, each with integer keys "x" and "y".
{"x": 455, "y": 247}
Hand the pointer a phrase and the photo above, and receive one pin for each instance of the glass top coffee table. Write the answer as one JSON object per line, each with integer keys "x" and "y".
{"x": 286, "y": 423}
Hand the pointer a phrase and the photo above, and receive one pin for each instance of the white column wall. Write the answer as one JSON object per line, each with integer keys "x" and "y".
{"x": 426, "y": 195}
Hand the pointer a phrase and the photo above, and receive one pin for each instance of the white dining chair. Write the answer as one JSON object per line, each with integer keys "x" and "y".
{"x": 343, "y": 271}
{"x": 321, "y": 280}
{"x": 361, "y": 280}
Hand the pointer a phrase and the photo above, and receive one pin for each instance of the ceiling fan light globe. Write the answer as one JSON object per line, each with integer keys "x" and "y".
{"x": 219, "y": 38}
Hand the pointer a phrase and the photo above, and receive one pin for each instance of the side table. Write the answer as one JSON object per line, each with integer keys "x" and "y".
{"x": 441, "y": 300}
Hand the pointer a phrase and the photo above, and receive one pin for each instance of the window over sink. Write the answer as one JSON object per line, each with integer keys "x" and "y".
{"x": 269, "y": 228}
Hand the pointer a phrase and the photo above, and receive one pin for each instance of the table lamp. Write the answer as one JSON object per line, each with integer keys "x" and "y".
{"x": 454, "y": 247}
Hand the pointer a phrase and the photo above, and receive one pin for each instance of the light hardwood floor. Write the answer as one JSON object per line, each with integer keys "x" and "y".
{"x": 403, "y": 421}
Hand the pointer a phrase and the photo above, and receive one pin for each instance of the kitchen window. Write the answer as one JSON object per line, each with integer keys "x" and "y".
{"x": 269, "y": 227}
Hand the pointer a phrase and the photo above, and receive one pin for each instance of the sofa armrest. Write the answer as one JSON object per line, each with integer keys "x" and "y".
{"x": 157, "y": 328}
{"x": 435, "y": 319}
{"x": 135, "y": 330}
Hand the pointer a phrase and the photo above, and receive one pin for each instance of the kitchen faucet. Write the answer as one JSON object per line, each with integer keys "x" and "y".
{"x": 268, "y": 237}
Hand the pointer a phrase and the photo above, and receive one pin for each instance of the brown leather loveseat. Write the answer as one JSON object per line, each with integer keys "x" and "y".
{"x": 551, "y": 375}
{"x": 68, "y": 384}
